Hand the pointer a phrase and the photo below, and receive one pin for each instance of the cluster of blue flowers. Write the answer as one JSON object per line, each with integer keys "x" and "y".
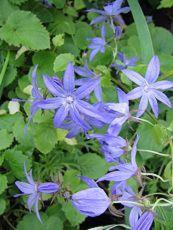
{"x": 70, "y": 101}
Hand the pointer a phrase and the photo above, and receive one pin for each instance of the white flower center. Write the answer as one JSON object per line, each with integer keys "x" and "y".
{"x": 69, "y": 99}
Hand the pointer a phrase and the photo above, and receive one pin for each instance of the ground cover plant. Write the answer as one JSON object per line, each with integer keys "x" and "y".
{"x": 86, "y": 129}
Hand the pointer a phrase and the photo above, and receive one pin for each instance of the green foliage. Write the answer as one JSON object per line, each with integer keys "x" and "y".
{"x": 166, "y": 4}
{"x": 24, "y": 28}
{"x": 44, "y": 137}
{"x": 143, "y": 32}
{"x": 2, "y": 205}
{"x": 72, "y": 215}
{"x": 93, "y": 165}
{"x": 61, "y": 61}
{"x": 6, "y": 139}
{"x": 3, "y": 183}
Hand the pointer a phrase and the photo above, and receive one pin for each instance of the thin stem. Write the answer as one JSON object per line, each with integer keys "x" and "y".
{"x": 4, "y": 67}
{"x": 171, "y": 145}
{"x": 156, "y": 204}
{"x": 154, "y": 175}
{"x": 127, "y": 202}
{"x": 141, "y": 119}
{"x": 118, "y": 225}
{"x": 154, "y": 152}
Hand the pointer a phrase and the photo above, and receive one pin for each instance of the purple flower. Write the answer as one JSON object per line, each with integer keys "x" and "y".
{"x": 148, "y": 88}
{"x": 37, "y": 97}
{"x": 34, "y": 190}
{"x": 124, "y": 171}
{"x": 125, "y": 62}
{"x": 111, "y": 10}
{"x": 118, "y": 32}
{"x": 92, "y": 201}
{"x": 112, "y": 146}
{"x": 69, "y": 102}
{"x": 97, "y": 44}
{"x": 122, "y": 112}
{"x": 144, "y": 222}
{"x": 88, "y": 75}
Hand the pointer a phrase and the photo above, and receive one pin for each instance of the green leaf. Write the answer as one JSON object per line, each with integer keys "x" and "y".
{"x": 16, "y": 159}
{"x": 6, "y": 139}
{"x": 83, "y": 32}
{"x": 17, "y": 2}
{"x": 61, "y": 61}
{"x": 3, "y": 183}
{"x": 52, "y": 222}
{"x": 58, "y": 3}
{"x": 5, "y": 10}
{"x": 159, "y": 36}
{"x": 143, "y": 31}
{"x": 44, "y": 59}
{"x": 151, "y": 138}
{"x": 2, "y": 205}
{"x": 72, "y": 180}
{"x": 166, "y": 4}
{"x": 31, "y": 220}
{"x": 72, "y": 215}
{"x": 58, "y": 40}
{"x": 9, "y": 75}
{"x": 62, "y": 24}
{"x": 24, "y": 28}
{"x": 79, "y": 4}
{"x": 93, "y": 165}
{"x": 45, "y": 137}
{"x": 164, "y": 220}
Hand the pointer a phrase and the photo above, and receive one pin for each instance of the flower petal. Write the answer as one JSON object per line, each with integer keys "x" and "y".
{"x": 153, "y": 70}
{"x": 25, "y": 188}
{"x": 48, "y": 187}
{"x": 154, "y": 104}
{"x": 162, "y": 85}
{"x": 133, "y": 152}
{"x": 162, "y": 97}
{"x": 52, "y": 86}
{"x": 134, "y": 76}
{"x": 93, "y": 54}
{"x": 135, "y": 93}
{"x": 145, "y": 221}
{"x": 85, "y": 90}
{"x": 134, "y": 216}
{"x": 122, "y": 96}
{"x": 142, "y": 105}
{"x": 50, "y": 103}
{"x": 60, "y": 116}
{"x": 69, "y": 78}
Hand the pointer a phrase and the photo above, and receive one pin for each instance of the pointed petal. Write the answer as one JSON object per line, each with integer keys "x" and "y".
{"x": 122, "y": 96}
{"x": 117, "y": 4}
{"x": 52, "y": 86}
{"x": 50, "y": 103}
{"x": 116, "y": 176}
{"x": 28, "y": 175}
{"x": 69, "y": 78}
{"x": 25, "y": 187}
{"x": 90, "y": 182}
{"x": 154, "y": 104}
{"x": 133, "y": 152}
{"x": 162, "y": 85}
{"x": 134, "y": 76}
{"x": 78, "y": 119}
{"x": 98, "y": 20}
{"x": 48, "y": 187}
{"x": 85, "y": 90}
{"x": 98, "y": 92}
{"x": 134, "y": 216}
{"x": 142, "y": 105}
{"x": 36, "y": 208}
{"x": 135, "y": 93}
{"x": 93, "y": 54}
{"x": 35, "y": 91}
{"x": 123, "y": 10}
{"x": 162, "y": 97}
{"x": 60, "y": 116}
{"x": 31, "y": 200}
{"x": 145, "y": 221}
{"x": 89, "y": 110}
{"x": 103, "y": 31}
{"x": 153, "y": 70}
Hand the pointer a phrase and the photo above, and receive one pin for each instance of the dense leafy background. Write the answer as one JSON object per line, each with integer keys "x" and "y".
{"x": 32, "y": 33}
